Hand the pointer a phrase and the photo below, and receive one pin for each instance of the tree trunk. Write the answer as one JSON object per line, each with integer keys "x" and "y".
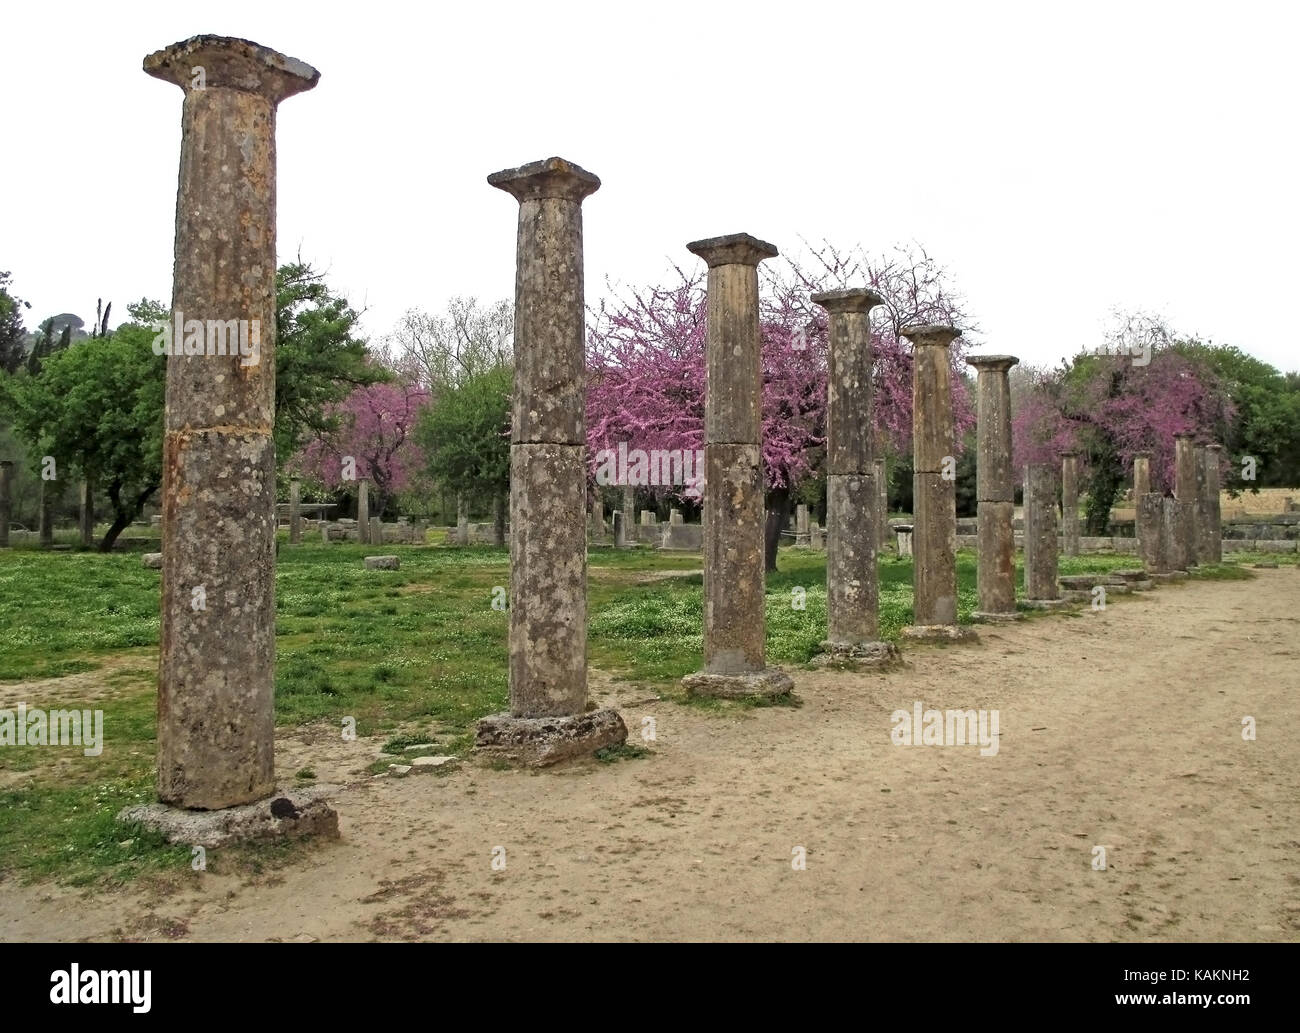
{"x": 778, "y": 514}
{"x": 123, "y": 514}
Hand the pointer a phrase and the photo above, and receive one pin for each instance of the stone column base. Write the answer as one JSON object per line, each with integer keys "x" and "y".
{"x": 875, "y": 654}
{"x": 770, "y": 683}
{"x": 980, "y": 617}
{"x": 1047, "y": 604}
{"x": 536, "y": 742}
{"x": 1168, "y": 576}
{"x": 1137, "y": 580}
{"x": 291, "y": 814}
{"x": 939, "y": 633}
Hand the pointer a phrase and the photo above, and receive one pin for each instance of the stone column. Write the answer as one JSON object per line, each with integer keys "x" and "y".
{"x": 882, "y": 504}
{"x": 47, "y": 514}
{"x": 1211, "y": 550}
{"x": 852, "y": 499}
{"x": 1185, "y": 519}
{"x": 87, "y": 521}
{"x": 801, "y": 524}
{"x": 995, "y": 490}
{"x": 6, "y": 500}
{"x": 548, "y": 717}
{"x": 1042, "y": 590}
{"x": 620, "y": 536}
{"x": 1175, "y": 530}
{"x": 363, "y": 512}
{"x": 934, "y": 536}
{"x": 1150, "y": 533}
{"x": 216, "y": 716}
{"x": 376, "y": 531}
{"x": 1141, "y": 476}
{"x": 295, "y": 511}
{"x": 674, "y": 517}
{"x": 598, "y": 519}
{"x": 629, "y": 513}
{"x": 735, "y": 625}
{"x": 1070, "y": 501}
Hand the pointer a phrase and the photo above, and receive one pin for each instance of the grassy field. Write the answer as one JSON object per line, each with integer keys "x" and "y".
{"x": 412, "y": 655}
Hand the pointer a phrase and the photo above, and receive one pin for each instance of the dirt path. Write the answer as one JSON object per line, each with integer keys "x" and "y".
{"x": 1120, "y": 729}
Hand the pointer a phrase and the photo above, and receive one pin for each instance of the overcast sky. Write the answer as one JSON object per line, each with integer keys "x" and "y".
{"x": 1059, "y": 161}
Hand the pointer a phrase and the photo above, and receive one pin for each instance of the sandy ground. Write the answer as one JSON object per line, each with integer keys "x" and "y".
{"x": 1120, "y": 729}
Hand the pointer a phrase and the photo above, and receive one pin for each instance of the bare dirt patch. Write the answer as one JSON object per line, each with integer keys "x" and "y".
{"x": 1120, "y": 729}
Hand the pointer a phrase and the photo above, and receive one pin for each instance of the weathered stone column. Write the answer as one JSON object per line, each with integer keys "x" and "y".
{"x": 629, "y": 514}
{"x": 1185, "y": 519}
{"x": 620, "y": 537}
{"x": 1176, "y": 531}
{"x": 295, "y": 511}
{"x": 995, "y": 491}
{"x": 216, "y": 719}
{"x": 87, "y": 521}
{"x": 598, "y": 519}
{"x": 934, "y": 538}
{"x": 363, "y": 511}
{"x": 376, "y": 531}
{"x": 882, "y": 504}
{"x": 548, "y": 480}
{"x": 1070, "y": 501}
{"x": 852, "y": 499}
{"x": 6, "y": 500}
{"x": 1152, "y": 546}
{"x": 675, "y": 517}
{"x": 1042, "y": 590}
{"x": 46, "y": 515}
{"x": 735, "y": 624}
{"x": 1211, "y": 550}
{"x": 1141, "y": 476}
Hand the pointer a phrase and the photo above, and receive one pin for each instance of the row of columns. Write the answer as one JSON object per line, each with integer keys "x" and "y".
{"x": 215, "y": 728}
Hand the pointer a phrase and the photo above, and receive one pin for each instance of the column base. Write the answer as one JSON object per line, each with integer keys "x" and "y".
{"x": 537, "y": 742}
{"x": 770, "y": 683}
{"x": 939, "y": 633}
{"x": 1168, "y": 576}
{"x": 855, "y": 654}
{"x": 1137, "y": 580}
{"x": 291, "y": 814}
{"x": 1047, "y": 604}
{"x": 1009, "y": 617}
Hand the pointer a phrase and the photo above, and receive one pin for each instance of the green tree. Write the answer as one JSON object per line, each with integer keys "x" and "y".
{"x": 319, "y": 360}
{"x": 13, "y": 334}
{"x": 464, "y": 435}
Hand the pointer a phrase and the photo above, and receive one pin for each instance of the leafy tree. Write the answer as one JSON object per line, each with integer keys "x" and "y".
{"x": 375, "y": 426}
{"x": 13, "y": 334}
{"x": 465, "y": 435}
{"x": 319, "y": 360}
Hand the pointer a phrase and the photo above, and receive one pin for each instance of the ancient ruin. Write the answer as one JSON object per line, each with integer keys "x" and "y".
{"x": 995, "y": 491}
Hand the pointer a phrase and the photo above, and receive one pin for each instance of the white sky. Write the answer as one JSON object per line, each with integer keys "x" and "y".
{"x": 1059, "y": 160}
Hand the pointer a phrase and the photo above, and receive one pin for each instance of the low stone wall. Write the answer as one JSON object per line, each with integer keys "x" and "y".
{"x": 684, "y": 536}
{"x": 401, "y": 533}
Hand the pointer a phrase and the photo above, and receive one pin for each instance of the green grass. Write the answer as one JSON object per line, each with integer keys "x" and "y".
{"x": 415, "y": 655}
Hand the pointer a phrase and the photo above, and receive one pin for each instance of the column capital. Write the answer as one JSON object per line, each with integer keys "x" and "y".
{"x": 231, "y": 63}
{"x": 1071, "y": 453}
{"x": 992, "y": 363}
{"x": 931, "y": 335}
{"x": 1214, "y": 447}
{"x": 852, "y": 299}
{"x": 733, "y": 249}
{"x": 1185, "y": 436}
{"x": 548, "y": 178}
{"x": 1144, "y": 454}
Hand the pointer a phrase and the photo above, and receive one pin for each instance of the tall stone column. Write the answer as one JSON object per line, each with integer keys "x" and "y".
{"x": 1152, "y": 544}
{"x": 1176, "y": 531}
{"x": 995, "y": 491}
{"x": 216, "y": 719}
{"x": 882, "y": 504}
{"x": 548, "y": 480}
{"x": 934, "y": 537}
{"x": 735, "y": 624}
{"x": 363, "y": 511}
{"x": 1042, "y": 589}
{"x": 1141, "y": 476}
{"x": 47, "y": 514}
{"x": 1211, "y": 513}
{"x": 295, "y": 511}
{"x": 6, "y": 500}
{"x": 86, "y": 523}
{"x": 852, "y": 498}
{"x": 1185, "y": 517}
{"x": 1070, "y": 501}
